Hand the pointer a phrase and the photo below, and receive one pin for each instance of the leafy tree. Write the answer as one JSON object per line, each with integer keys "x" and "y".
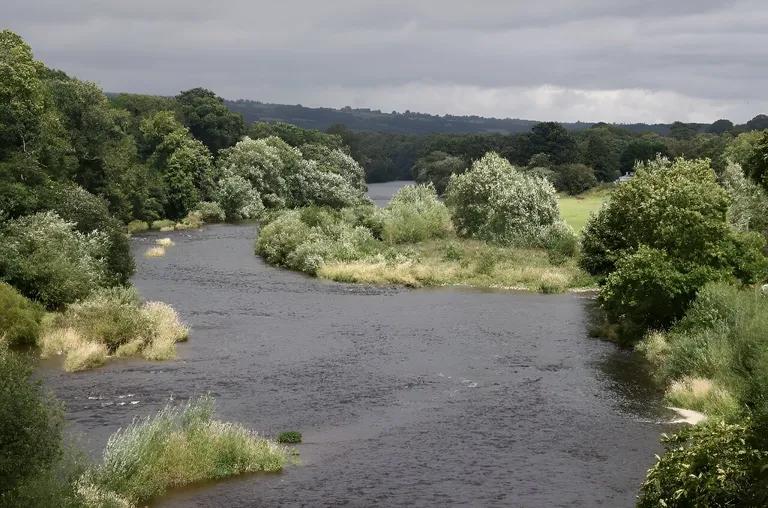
{"x": 47, "y": 260}
{"x": 30, "y": 426}
{"x": 496, "y": 202}
{"x": 293, "y": 135}
{"x": 661, "y": 236}
{"x": 19, "y": 319}
{"x": 680, "y": 130}
{"x": 415, "y": 214}
{"x": 575, "y": 178}
{"x": 720, "y": 126}
{"x": 759, "y": 122}
{"x": 436, "y": 168}
{"x": 209, "y": 119}
{"x": 22, "y": 95}
{"x": 552, "y": 138}
{"x": 756, "y": 165}
{"x": 641, "y": 150}
{"x": 601, "y": 150}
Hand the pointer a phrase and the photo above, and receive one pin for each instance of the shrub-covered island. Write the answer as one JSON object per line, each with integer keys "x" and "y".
{"x": 499, "y": 227}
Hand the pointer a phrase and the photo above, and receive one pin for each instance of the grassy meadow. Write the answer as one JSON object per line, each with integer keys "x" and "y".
{"x": 575, "y": 210}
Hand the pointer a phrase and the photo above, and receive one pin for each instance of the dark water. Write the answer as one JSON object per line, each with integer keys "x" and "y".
{"x": 404, "y": 397}
{"x": 381, "y": 193}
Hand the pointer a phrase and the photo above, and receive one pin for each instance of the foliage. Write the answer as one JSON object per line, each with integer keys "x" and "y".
{"x": 723, "y": 337}
{"x": 641, "y": 150}
{"x": 210, "y": 212}
{"x": 30, "y": 426}
{"x": 662, "y": 236}
{"x": 495, "y": 202}
{"x": 436, "y": 168}
{"x": 414, "y": 215}
{"x": 178, "y": 446}
{"x": 289, "y": 437}
{"x": 305, "y": 240}
{"x": 19, "y": 317}
{"x": 209, "y": 119}
{"x": 749, "y": 208}
{"x": 575, "y": 178}
{"x": 293, "y": 135}
{"x": 47, "y": 260}
{"x": 238, "y": 199}
{"x": 708, "y": 465}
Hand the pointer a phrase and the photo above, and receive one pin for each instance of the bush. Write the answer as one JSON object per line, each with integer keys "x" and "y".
{"x": 708, "y": 465}
{"x": 19, "y": 317}
{"x": 193, "y": 220}
{"x": 281, "y": 237}
{"x": 238, "y": 199}
{"x": 47, "y": 260}
{"x": 665, "y": 234}
{"x": 90, "y": 213}
{"x": 210, "y": 212}
{"x": 575, "y": 178}
{"x": 30, "y": 426}
{"x": 561, "y": 243}
{"x": 176, "y": 447}
{"x": 415, "y": 214}
{"x": 306, "y": 239}
{"x": 493, "y": 201}
{"x": 289, "y": 437}
{"x": 436, "y": 168}
{"x": 749, "y": 211}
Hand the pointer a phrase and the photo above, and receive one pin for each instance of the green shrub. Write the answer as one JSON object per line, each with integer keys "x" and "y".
{"x": 238, "y": 199}
{"x": 281, "y": 237}
{"x": 415, "y": 214}
{"x": 494, "y": 201}
{"x": 665, "y": 234}
{"x": 436, "y": 168}
{"x": 575, "y": 178}
{"x": 708, "y": 465}
{"x": 178, "y": 446}
{"x": 289, "y": 437}
{"x": 19, "y": 317}
{"x": 307, "y": 238}
{"x": 210, "y": 212}
{"x": 30, "y": 426}
{"x": 47, "y": 260}
{"x": 561, "y": 243}
{"x": 90, "y": 213}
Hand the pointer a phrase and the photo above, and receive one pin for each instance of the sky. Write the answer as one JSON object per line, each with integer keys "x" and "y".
{"x": 589, "y": 60}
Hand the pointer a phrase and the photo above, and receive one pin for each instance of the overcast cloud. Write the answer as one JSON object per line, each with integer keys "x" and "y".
{"x": 590, "y": 60}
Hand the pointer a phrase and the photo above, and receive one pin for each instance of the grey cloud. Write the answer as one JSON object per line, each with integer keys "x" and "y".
{"x": 709, "y": 53}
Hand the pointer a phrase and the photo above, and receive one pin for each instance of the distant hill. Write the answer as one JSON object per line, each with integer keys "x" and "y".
{"x": 401, "y": 123}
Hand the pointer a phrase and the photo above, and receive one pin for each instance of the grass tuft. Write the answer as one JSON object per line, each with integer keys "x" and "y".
{"x": 155, "y": 252}
{"x": 164, "y": 242}
{"x": 85, "y": 356}
{"x": 178, "y": 446}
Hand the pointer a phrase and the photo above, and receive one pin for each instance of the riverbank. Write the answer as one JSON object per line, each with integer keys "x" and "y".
{"x": 461, "y": 262}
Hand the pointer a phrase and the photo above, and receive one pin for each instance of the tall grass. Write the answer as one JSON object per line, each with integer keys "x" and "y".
{"x": 715, "y": 359}
{"x": 112, "y": 322}
{"x": 178, "y": 446}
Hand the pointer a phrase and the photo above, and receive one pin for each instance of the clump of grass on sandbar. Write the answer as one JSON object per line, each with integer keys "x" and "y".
{"x": 164, "y": 242}
{"x": 112, "y": 322}
{"x": 176, "y": 447}
{"x": 155, "y": 252}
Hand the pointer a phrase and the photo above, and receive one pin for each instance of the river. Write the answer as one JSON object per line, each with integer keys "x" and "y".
{"x": 404, "y": 397}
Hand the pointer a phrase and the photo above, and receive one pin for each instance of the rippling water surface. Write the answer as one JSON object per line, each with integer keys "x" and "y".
{"x": 404, "y": 397}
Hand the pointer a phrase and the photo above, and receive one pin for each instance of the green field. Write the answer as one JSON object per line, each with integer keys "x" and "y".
{"x": 575, "y": 210}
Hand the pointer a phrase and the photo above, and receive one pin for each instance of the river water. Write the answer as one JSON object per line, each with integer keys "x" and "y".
{"x": 404, "y": 397}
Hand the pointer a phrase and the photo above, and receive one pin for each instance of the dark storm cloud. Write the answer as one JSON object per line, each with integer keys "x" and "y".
{"x": 549, "y": 59}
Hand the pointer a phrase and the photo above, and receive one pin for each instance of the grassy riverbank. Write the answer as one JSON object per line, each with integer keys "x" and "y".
{"x": 575, "y": 210}
{"x": 454, "y": 261}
